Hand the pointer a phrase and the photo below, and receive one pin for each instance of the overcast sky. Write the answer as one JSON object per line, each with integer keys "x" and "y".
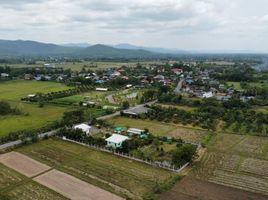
{"x": 182, "y": 24}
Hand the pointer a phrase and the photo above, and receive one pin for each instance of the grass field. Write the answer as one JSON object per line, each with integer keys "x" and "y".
{"x": 35, "y": 117}
{"x": 188, "y": 134}
{"x": 14, "y": 186}
{"x": 15, "y": 90}
{"x": 236, "y": 161}
{"x": 118, "y": 175}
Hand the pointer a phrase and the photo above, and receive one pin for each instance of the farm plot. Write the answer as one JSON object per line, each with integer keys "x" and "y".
{"x": 73, "y": 188}
{"x": 23, "y": 164}
{"x": 124, "y": 177}
{"x": 8, "y": 177}
{"x": 160, "y": 129}
{"x": 190, "y": 188}
{"x": 242, "y": 165}
{"x": 32, "y": 190}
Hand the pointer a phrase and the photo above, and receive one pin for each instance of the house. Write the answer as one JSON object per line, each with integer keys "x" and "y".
{"x": 4, "y": 75}
{"x": 159, "y": 77}
{"x": 84, "y": 127}
{"x": 28, "y": 77}
{"x": 116, "y": 140}
{"x": 102, "y": 89}
{"x": 129, "y": 86}
{"x": 206, "y": 95}
{"x": 177, "y": 71}
{"x": 135, "y": 131}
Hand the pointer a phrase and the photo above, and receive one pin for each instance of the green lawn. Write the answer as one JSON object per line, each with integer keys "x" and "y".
{"x": 119, "y": 175}
{"x": 15, "y": 90}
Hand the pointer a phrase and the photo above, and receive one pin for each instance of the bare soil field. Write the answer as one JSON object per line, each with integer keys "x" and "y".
{"x": 190, "y": 188}
{"x": 72, "y": 187}
{"x": 23, "y": 164}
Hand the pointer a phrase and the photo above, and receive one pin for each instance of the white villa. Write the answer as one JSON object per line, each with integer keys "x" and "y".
{"x": 135, "y": 131}
{"x": 84, "y": 127}
{"x": 116, "y": 140}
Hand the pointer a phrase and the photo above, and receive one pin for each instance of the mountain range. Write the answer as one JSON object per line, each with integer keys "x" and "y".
{"x": 15, "y": 48}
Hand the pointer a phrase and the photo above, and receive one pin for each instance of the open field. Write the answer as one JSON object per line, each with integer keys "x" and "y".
{"x": 23, "y": 164}
{"x": 190, "y": 188}
{"x": 73, "y": 188}
{"x": 124, "y": 177}
{"x": 14, "y": 186}
{"x": 95, "y": 96}
{"x": 15, "y": 90}
{"x": 236, "y": 161}
{"x": 32, "y": 117}
{"x": 160, "y": 129}
{"x": 35, "y": 117}
{"x": 186, "y": 108}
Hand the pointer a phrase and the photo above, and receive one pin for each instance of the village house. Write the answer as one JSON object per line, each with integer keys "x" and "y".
{"x": 116, "y": 140}
{"x": 84, "y": 127}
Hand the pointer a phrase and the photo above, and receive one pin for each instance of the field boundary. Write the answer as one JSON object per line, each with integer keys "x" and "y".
{"x": 128, "y": 156}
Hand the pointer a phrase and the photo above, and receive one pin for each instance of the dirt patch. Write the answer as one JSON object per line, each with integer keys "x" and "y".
{"x": 72, "y": 187}
{"x": 190, "y": 188}
{"x": 187, "y": 134}
{"x": 23, "y": 164}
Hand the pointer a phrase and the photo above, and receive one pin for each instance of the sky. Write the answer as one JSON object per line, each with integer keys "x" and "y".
{"x": 181, "y": 24}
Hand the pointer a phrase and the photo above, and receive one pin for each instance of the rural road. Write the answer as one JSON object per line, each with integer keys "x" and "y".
{"x": 50, "y": 133}
{"x": 110, "y": 98}
{"x": 178, "y": 88}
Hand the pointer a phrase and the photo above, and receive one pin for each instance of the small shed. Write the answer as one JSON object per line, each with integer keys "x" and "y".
{"x": 119, "y": 129}
{"x": 135, "y": 131}
{"x": 116, "y": 140}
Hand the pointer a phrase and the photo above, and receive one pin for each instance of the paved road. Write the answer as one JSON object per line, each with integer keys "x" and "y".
{"x": 178, "y": 88}
{"x": 17, "y": 142}
{"x": 50, "y": 133}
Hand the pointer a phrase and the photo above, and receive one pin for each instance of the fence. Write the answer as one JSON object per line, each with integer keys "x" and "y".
{"x": 124, "y": 155}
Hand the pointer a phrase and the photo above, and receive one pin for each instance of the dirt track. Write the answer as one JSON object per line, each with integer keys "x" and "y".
{"x": 190, "y": 188}
{"x": 72, "y": 187}
{"x": 23, "y": 164}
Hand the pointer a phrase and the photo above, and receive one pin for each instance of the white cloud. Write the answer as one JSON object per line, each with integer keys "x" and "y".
{"x": 186, "y": 24}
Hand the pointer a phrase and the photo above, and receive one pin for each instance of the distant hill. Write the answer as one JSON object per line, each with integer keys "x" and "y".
{"x": 103, "y": 51}
{"x": 32, "y": 48}
{"x": 151, "y": 49}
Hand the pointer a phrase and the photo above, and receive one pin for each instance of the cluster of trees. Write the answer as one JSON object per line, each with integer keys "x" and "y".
{"x": 40, "y": 97}
{"x": 211, "y": 113}
{"x": 6, "y": 109}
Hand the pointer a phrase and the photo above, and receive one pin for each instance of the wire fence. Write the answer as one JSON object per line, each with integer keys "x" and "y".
{"x": 163, "y": 165}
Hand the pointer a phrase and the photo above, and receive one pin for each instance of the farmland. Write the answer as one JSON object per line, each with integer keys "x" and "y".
{"x": 188, "y": 134}
{"x": 118, "y": 175}
{"x": 16, "y": 186}
{"x": 236, "y": 161}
